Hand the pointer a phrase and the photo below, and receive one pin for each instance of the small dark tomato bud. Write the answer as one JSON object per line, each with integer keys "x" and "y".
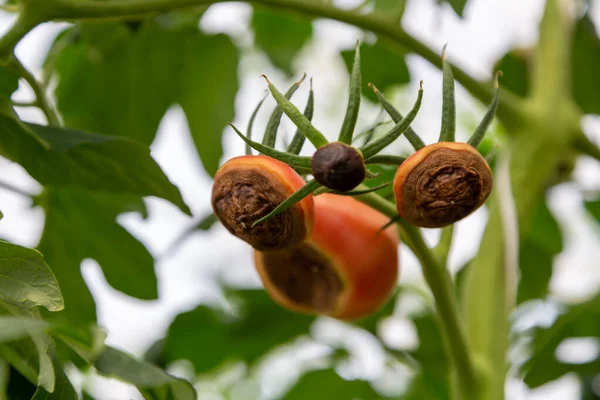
{"x": 247, "y": 188}
{"x": 347, "y": 269}
{"x": 338, "y": 166}
{"x": 441, "y": 184}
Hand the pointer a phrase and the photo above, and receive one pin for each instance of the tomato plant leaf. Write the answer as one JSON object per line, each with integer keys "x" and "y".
{"x": 539, "y": 244}
{"x": 457, "y": 5}
{"x": 280, "y": 35}
{"x": 14, "y": 328}
{"x": 593, "y": 207}
{"x": 93, "y": 161}
{"x": 584, "y": 66}
{"x": 113, "y": 81}
{"x": 395, "y": 6}
{"x": 9, "y": 82}
{"x": 26, "y": 280}
{"x": 515, "y": 67}
{"x": 577, "y": 321}
{"x": 327, "y": 384}
{"x": 82, "y": 224}
{"x": 131, "y": 77}
{"x": 207, "y": 337}
{"x": 149, "y": 379}
{"x": 380, "y": 65}
{"x": 209, "y": 84}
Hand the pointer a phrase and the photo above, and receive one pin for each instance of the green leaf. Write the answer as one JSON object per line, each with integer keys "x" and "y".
{"x": 4, "y": 378}
{"x": 80, "y": 158}
{"x": 578, "y": 321}
{"x": 14, "y": 328}
{"x": 396, "y": 6}
{"x": 593, "y": 208}
{"x": 209, "y": 85}
{"x": 114, "y": 82}
{"x": 327, "y": 384}
{"x": 26, "y": 280}
{"x": 9, "y": 82}
{"x": 584, "y": 65}
{"x": 515, "y": 67}
{"x": 82, "y": 224}
{"x": 432, "y": 382}
{"x": 19, "y": 388}
{"x": 207, "y": 337}
{"x": 153, "y": 382}
{"x": 280, "y": 35}
{"x": 539, "y": 244}
{"x": 380, "y": 65}
{"x": 121, "y": 82}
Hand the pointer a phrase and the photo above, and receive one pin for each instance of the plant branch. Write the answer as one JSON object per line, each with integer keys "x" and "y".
{"x": 14, "y": 189}
{"x": 440, "y": 283}
{"x": 43, "y": 101}
{"x": 509, "y": 108}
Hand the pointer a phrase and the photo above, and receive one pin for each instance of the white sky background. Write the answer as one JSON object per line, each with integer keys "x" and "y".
{"x": 489, "y": 28}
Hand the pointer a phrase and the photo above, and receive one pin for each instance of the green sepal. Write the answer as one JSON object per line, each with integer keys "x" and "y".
{"x": 447, "y": 133}
{"x": 307, "y": 189}
{"x": 376, "y": 146}
{"x": 251, "y": 124}
{"x": 290, "y": 159}
{"x": 385, "y": 159}
{"x": 478, "y": 135}
{"x": 391, "y": 222}
{"x": 303, "y": 124}
{"x": 349, "y": 123}
{"x": 414, "y": 139}
{"x": 298, "y": 140}
{"x": 271, "y": 132}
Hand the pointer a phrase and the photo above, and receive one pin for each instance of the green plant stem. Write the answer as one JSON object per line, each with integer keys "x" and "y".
{"x": 509, "y": 107}
{"x": 43, "y": 101}
{"x": 440, "y": 283}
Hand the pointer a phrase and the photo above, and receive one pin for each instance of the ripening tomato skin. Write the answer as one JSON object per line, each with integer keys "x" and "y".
{"x": 247, "y": 188}
{"x": 362, "y": 262}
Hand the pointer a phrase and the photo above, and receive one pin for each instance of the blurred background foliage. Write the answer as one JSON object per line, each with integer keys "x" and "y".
{"x": 117, "y": 80}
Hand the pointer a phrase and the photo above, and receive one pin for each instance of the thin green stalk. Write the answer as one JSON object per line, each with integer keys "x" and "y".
{"x": 349, "y": 123}
{"x": 298, "y": 140}
{"x": 251, "y": 124}
{"x": 385, "y": 159}
{"x": 14, "y": 189}
{"x": 40, "y": 91}
{"x": 509, "y": 108}
{"x": 271, "y": 132}
{"x": 447, "y": 133}
{"x": 440, "y": 283}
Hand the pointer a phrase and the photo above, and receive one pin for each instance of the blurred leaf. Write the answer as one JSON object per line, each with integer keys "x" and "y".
{"x": 4, "y": 378}
{"x": 515, "y": 66}
{"x": 580, "y": 320}
{"x": 80, "y": 158}
{"x": 9, "y": 82}
{"x": 19, "y": 388}
{"x": 14, "y": 328}
{"x": 81, "y": 224}
{"x": 153, "y": 382}
{"x": 26, "y": 280}
{"x": 87, "y": 342}
{"x": 23, "y": 356}
{"x": 209, "y": 85}
{"x": 327, "y": 385}
{"x": 539, "y": 244}
{"x": 396, "y": 6}
{"x": 584, "y": 64}
{"x": 114, "y": 82}
{"x": 280, "y": 35}
{"x": 207, "y": 337}
{"x": 380, "y": 66}
{"x": 432, "y": 382}
{"x": 593, "y": 208}
{"x": 121, "y": 82}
